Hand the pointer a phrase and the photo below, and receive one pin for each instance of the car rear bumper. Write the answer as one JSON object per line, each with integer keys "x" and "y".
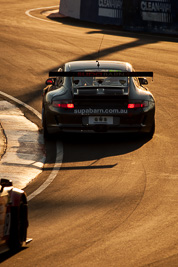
{"x": 134, "y": 121}
{"x": 99, "y": 128}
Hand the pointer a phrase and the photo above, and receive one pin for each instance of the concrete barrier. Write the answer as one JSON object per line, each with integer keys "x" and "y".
{"x": 70, "y": 8}
{"x": 160, "y": 16}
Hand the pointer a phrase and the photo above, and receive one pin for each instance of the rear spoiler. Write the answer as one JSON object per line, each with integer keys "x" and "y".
{"x": 100, "y": 74}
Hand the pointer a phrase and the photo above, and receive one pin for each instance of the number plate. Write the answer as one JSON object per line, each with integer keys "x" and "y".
{"x": 100, "y": 120}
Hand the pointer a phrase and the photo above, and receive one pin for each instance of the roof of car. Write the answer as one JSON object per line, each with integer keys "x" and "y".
{"x": 97, "y": 64}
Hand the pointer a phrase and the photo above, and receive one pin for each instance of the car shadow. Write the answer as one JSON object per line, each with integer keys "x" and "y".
{"x": 7, "y": 255}
{"x": 95, "y": 146}
{"x": 84, "y": 147}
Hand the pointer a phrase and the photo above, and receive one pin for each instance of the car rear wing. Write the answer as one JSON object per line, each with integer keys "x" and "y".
{"x": 100, "y": 74}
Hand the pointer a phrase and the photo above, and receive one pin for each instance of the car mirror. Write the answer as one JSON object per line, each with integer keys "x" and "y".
{"x": 143, "y": 81}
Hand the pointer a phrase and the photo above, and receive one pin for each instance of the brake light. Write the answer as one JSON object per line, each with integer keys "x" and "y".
{"x": 138, "y": 105}
{"x": 62, "y": 105}
{"x": 135, "y": 105}
{"x": 70, "y": 105}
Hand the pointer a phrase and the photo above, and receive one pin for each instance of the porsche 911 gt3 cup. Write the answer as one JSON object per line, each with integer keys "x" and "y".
{"x": 98, "y": 96}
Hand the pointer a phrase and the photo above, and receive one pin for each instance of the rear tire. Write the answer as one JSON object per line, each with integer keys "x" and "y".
{"x": 46, "y": 134}
{"x": 150, "y": 134}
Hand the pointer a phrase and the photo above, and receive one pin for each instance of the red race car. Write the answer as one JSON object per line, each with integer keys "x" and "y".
{"x": 13, "y": 216}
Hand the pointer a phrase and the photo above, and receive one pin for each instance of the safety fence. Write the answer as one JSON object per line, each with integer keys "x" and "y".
{"x": 159, "y": 16}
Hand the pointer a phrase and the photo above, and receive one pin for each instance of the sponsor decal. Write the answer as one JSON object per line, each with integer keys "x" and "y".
{"x": 89, "y": 111}
{"x": 156, "y": 10}
{"x": 110, "y": 3}
{"x": 110, "y": 8}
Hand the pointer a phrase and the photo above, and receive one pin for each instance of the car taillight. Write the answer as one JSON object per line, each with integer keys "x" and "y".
{"x": 138, "y": 105}
{"x": 57, "y": 104}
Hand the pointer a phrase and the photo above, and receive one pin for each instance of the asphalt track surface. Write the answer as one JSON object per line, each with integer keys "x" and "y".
{"x": 114, "y": 200}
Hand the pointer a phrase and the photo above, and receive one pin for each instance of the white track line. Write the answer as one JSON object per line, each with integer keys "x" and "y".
{"x": 30, "y": 10}
{"x": 22, "y": 104}
{"x": 59, "y": 151}
{"x": 53, "y": 174}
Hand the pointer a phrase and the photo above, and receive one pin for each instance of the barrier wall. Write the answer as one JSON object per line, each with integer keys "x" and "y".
{"x": 70, "y": 8}
{"x": 151, "y": 15}
{"x": 102, "y": 11}
{"x": 138, "y": 15}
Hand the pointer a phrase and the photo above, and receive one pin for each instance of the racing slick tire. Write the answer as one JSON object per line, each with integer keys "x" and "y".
{"x": 150, "y": 134}
{"x": 19, "y": 224}
{"x": 46, "y": 134}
